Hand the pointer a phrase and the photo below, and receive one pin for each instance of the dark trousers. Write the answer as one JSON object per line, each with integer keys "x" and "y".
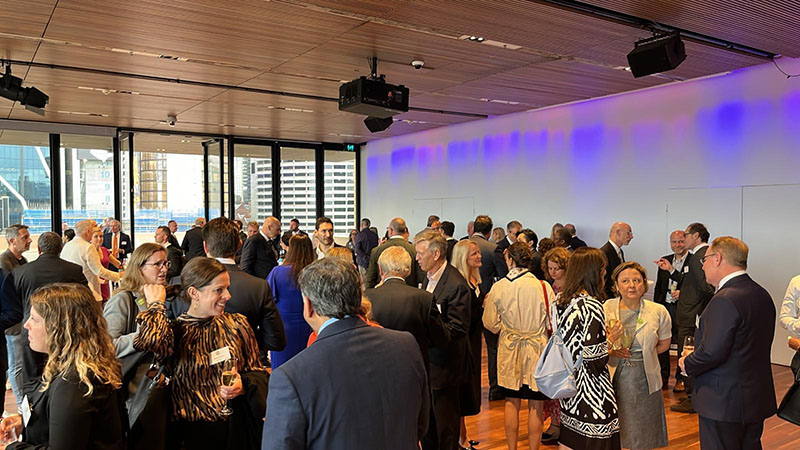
{"x": 683, "y": 332}
{"x": 185, "y": 435}
{"x": 715, "y": 435}
{"x": 663, "y": 358}
{"x": 795, "y": 363}
{"x": 491, "y": 359}
{"x": 448, "y": 421}
{"x": 3, "y": 368}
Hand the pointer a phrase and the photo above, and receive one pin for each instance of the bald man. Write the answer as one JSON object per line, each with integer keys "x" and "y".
{"x": 398, "y": 235}
{"x": 619, "y": 235}
{"x": 259, "y": 255}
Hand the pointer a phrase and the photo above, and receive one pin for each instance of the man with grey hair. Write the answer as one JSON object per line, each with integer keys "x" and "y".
{"x": 372, "y": 369}
{"x": 80, "y": 251}
{"x": 398, "y": 236}
{"x": 512, "y": 228}
{"x": 19, "y": 242}
{"x": 450, "y": 365}
{"x": 47, "y": 269}
{"x": 398, "y": 306}
{"x": 192, "y": 244}
{"x": 575, "y": 242}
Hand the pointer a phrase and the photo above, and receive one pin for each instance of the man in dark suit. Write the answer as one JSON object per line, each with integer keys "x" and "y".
{"x": 356, "y": 386}
{"x": 470, "y": 230}
{"x": 512, "y": 229}
{"x": 250, "y": 296}
{"x": 493, "y": 266}
{"x": 447, "y": 230}
{"x": 694, "y": 295}
{"x": 173, "y": 228}
{"x": 575, "y": 242}
{"x": 398, "y": 235}
{"x": 192, "y": 244}
{"x": 528, "y": 236}
{"x": 450, "y": 366}
{"x": 666, "y": 293}
{"x": 731, "y": 365}
{"x": 294, "y": 228}
{"x": 619, "y": 235}
{"x": 365, "y": 241}
{"x": 47, "y": 269}
{"x": 118, "y": 243}
{"x": 259, "y": 256}
{"x": 398, "y": 306}
{"x": 174, "y": 254}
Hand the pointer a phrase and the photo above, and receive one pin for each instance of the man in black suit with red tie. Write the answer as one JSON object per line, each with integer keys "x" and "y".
{"x": 731, "y": 365}
{"x": 450, "y": 365}
{"x": 619, "y": 235}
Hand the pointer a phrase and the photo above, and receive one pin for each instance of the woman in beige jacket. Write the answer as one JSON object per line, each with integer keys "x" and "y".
{"x": 515, "y": 308}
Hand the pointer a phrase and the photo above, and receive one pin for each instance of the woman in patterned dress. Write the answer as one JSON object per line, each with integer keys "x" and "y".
{"x": 589, "y": 420}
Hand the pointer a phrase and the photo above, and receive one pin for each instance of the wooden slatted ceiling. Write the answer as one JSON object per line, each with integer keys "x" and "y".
{"x": 310, "y": 47}
{"x": 771, "y": 25}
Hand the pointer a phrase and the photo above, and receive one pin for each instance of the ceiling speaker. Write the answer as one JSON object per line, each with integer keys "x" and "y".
{"x": 656, "y": 55}
{"x": 376, "y": 124}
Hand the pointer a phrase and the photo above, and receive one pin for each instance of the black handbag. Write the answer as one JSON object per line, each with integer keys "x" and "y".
{"x": 789, "y": 410}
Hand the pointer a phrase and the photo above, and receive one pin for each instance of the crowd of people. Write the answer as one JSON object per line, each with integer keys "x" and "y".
{"x": 242, "y": 337}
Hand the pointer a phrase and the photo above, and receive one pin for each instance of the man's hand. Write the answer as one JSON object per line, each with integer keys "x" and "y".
{"x": 664, "y": 264}
{"x": 681, "y": 364}
{"x": 676, "y": 293}
{"x": 794, "y": 343}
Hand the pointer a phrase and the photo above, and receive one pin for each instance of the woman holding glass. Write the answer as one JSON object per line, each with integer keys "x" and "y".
{"x": 208, "y": 352}
{"x": 515, "y": 308}
{"x": 638, "y": 331}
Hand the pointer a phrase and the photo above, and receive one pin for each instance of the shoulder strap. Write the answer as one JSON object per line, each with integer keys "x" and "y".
{"x": 554, "y": 313}
{"x": 134, "y": 311}
{"x": 544, "y": 290}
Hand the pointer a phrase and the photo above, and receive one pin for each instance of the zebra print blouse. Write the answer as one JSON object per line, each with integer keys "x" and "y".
{"x": 185, "y": 345}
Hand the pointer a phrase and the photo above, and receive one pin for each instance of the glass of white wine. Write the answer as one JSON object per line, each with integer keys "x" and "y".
{"x": 228, "y": 379}
{"x": 627, "y": 341}
{"x": 612, "y": 322}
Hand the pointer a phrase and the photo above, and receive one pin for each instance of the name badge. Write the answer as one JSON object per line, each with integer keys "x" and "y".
{"x": 219, "y": 355}
{"x": 686, "y": 269}
{"x": 26, "y": 411}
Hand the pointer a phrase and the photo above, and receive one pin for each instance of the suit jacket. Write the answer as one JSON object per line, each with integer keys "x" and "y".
{"x": 9, "y": 262}
{"x": 192, "y": 245}
{"x": 288, "y": 235}
{"x": 451, "y": 244}
{"x": 258, "y": 256}
{"x": 450, "y": 366}
{"x": 695, "y": 291}
{"x": 398, "y": 306}
{"x": 373, "y": 395}
{"x": 251, "y": 297}
{"x": 176, "y": 260}
{"x": 174, "y": 241}
{"x": 503, "y": 244}
{"x": 125, "y": 246}
{"x": 62, "y": 417}
{"x": 662, "y": 281}
{"x": 577, "y": 242}
{"x": 731, "y": 368}
{"x": 373, "y": 274}
{"x": 10, "y": 304}
{"x": 364, "y": 242}
{"x": 613, "y": 261}
{"x": 493, "y": 264}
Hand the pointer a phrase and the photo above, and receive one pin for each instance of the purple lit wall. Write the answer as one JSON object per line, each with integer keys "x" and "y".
{"x": 723, "y": 150}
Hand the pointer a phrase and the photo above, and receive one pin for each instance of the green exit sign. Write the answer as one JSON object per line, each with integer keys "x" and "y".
{"x": 350, "y": 147}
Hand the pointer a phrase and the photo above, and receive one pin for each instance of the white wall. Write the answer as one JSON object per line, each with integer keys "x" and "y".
{"x": 716, "y": 150}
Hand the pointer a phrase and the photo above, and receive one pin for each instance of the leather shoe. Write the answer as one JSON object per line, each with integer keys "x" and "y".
{"x": 679, "y": 387}
{"x": 685, "y": 406}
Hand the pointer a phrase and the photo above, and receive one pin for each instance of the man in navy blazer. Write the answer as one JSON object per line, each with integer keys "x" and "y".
{"x": 357, "y": 386}
{"x": 730, "y": 366}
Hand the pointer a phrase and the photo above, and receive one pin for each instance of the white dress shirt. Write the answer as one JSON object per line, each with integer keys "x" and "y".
{"x": 790, "y": 309}
{"x": 82, "y": 252}
{"x": 433, "y": 280}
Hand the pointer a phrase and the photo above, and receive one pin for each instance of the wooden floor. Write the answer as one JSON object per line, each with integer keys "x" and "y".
{"x": 487, "y": 427}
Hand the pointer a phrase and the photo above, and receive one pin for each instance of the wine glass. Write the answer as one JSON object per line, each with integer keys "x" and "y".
{"x": 228, "y": 379}
{"x": 627, "y": 341}
{"x": 688, "y": 345}
{"x": 612, "y": 322}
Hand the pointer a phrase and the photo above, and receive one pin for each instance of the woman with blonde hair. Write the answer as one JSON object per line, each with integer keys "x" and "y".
{"x": 498, "y": 234}
{"x": 466, "y": 259}
{"x": 76, "y": 404}
{"x": 515, "y": 308}
{"x": 147, "y": 264}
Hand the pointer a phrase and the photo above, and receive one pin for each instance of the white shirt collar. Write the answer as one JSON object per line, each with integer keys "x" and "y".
{"x": 728, "y": 277}
{"x": 509, "y": 240}
{"x": 397, "y": 236}
{"x": 694, "y": 250}
{"x": 616, "y": 248}
{"x": 436, "y": 275}
{"x": 262, "y": 233}
{"x": 226, "y": 260}
{"x": 393, "y": 277}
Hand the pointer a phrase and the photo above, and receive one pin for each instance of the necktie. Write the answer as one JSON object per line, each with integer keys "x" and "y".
{"x": 621, "y": 255}
{"x": 115, "y": 245}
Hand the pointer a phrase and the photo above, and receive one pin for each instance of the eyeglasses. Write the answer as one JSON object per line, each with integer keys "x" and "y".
{"x": 704, "y": 258}
{"x": 160, "y": 264}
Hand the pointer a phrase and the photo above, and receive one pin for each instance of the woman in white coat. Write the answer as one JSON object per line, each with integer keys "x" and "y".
{"x": 515, "y": 308}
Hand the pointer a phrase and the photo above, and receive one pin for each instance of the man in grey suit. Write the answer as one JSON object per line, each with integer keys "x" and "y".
{"x": 356, "y": 386}
{"x": 493, "y": 266}
{"x": 398, "y": 235}
{"x": 731, "y": 365}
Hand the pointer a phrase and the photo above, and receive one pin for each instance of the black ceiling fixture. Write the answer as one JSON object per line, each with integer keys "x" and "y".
{"x": 656, "y": 54}
{"x": 29, "y": 97}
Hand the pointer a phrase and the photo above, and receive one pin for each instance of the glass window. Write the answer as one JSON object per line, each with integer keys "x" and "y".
{"x": 87, "y": 178}
{"x": 168, "y": 182}
{"x": 25, "y": 184}
{"x": 298, "y": 197}
{"x": 252, "y": 177}
{"x": 340, "y": 175}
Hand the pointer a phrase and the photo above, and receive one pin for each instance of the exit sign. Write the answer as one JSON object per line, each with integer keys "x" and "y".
{"x": 350, "y": 147}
